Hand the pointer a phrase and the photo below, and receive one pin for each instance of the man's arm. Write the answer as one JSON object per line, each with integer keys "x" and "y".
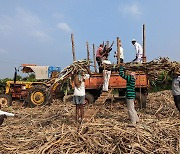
{"x": 135, "y": 58}
{"x": 121, "y": 72}
{"x": 137, "y": 49}
{"x": 6, "y": 113}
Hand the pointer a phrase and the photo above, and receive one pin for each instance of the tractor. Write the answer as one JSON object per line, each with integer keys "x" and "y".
{"x": 32, "y": 93}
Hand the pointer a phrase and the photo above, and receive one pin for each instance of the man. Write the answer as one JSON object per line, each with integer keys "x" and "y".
{"x": 130, "y": 94}
{"x": 79, "y": 94}
{"x": 99, "y": 56}
{"x": 121, "y": 55}
{"x": 139, "y": 51}
{"x": 106, "y": 75}
{"x": 4, "y": 115}
{"x": 176, "y": 90}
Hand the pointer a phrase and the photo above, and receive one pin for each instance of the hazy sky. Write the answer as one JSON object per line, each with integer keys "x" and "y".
{"x": 39, "y": 31}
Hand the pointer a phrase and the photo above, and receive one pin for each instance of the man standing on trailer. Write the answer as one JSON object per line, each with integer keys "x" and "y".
{"x": 99, "y": 56}
{"x": 121, "y": 54}
{"x": 139, "y": 51}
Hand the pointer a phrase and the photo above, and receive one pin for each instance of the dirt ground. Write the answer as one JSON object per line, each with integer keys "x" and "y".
{"x": 52, "y": 129}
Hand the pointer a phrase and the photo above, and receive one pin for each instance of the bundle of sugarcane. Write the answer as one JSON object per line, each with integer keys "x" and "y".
{"x": 153, "y": 68}
{"x": 72, "y": 69}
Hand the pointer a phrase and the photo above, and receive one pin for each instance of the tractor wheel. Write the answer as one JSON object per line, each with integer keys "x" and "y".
{"x": 5, "y": 100}
{"x": 140, "y": 100}
{"x": 38, "y": 95}
{"x": 89, "y": 98}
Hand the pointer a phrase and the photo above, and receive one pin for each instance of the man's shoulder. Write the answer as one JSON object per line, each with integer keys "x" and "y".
{"x": 138, "y": 44}
{"x": 106, "y": 62}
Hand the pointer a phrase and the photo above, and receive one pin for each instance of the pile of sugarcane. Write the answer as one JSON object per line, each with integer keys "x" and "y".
{"x": 52, "y": 129}
{"x": 72, "y": 69}
{"x": 68, "y": 73}
{"x": 153, "y": 68}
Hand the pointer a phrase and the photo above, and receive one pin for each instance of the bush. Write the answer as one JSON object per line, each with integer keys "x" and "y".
{"x": 3, "y": 84}
{"x": 163, "y": 82}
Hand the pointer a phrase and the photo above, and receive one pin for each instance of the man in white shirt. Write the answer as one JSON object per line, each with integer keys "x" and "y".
{"x": 79, "y": 94}
{"x": 4, "y": 115}
{"x": 139, "y": 51}
{"x": 121, "y": 53}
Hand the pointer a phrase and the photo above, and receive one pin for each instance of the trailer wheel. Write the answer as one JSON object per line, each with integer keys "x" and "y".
{"x": 5, "y": 100}
{"x": 38, "y": 95}
{"x": 89, "y": 98}
{"x": 140, "y": 100}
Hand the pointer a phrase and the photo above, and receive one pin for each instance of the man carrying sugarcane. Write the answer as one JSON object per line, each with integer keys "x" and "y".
{"x": 79, "y": 94}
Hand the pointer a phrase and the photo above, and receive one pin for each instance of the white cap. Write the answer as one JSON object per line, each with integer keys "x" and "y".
{"x": 133, "y": 40}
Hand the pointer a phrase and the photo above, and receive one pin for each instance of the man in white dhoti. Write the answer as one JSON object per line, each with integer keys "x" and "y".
{"x": 106, "y": 75}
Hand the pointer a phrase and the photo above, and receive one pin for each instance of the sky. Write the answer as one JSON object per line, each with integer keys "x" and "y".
{"x": 39, "y": 31}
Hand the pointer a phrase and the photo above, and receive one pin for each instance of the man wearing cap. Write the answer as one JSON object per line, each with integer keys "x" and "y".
{"x": 139, "y": 51}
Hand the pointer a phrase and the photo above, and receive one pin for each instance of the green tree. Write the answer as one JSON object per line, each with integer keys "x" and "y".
{"x": 3, "y": 84}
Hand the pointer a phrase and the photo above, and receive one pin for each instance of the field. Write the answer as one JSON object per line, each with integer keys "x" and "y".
{"x": 52, "y": 129}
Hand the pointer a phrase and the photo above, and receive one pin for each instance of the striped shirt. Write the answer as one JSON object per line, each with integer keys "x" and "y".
{"x": 130, "y": 85}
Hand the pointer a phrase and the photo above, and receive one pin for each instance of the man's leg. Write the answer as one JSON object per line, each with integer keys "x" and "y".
{"x": 77, "y": 112}
{"x": 77, "y": 100}
{"x": 98, "y": 59}
{"x": 177, "y": 102}
{"x": 81, "y": 106}
{"x": 81, "y": 111}
{"x": 2, "y": 118}
{"x": 131, "y": 111}
{"x": 105, "y": 86}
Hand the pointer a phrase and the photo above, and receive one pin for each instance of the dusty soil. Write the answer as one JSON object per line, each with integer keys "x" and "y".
{"x": 52, "y": 129}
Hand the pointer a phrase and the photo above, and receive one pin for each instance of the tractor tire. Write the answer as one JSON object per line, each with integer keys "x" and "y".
{"x": 89, "y": 98}
{"x": 38, "y": 95}
{"x": 5, "y": 100}
{"x": 140, "y": 101}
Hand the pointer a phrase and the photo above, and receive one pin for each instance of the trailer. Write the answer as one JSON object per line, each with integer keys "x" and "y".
{"x": 117, "y": 85}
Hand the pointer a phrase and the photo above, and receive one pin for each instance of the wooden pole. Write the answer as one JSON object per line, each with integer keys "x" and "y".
{"x": 144, "y": 43}
{"x": 118, "y": 50}
{"x": 88, "y": 53}
{"x": 73, "y": 48}
{"x": 94, "y": 57}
